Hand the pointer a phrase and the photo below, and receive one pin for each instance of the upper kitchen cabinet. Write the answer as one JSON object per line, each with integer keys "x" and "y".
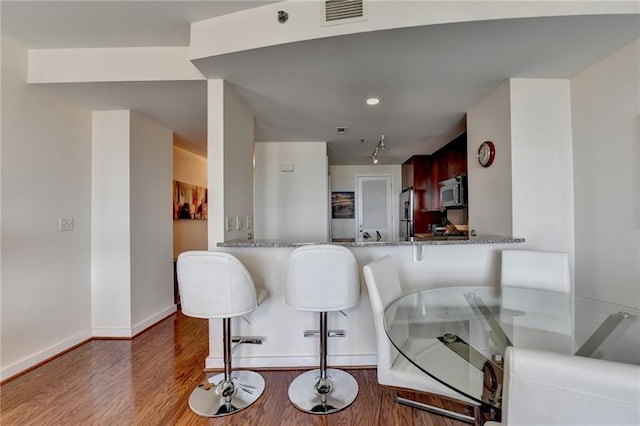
{"x": 425, "y": 172}
{"x": 453, "y": 158}
{"x": 448, "y": 161}
{"x": 407, "y": 173}
{"x": 416, "y": 173}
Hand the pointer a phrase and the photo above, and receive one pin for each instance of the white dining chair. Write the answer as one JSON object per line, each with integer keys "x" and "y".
{"x": 393, "y": 369}
{"x": 546, "y": 388}
{"x": 537, "y": 270}
{"x": 551, "y": 324}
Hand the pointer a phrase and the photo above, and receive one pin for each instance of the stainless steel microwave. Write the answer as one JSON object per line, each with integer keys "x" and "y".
{"x": 453, "y": 192}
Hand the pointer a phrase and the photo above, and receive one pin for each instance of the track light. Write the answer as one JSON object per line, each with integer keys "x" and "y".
{"x": 380, "y": 146}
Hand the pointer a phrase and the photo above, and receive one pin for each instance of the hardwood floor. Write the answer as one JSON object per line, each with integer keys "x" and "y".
{"x": 148, "y": 380}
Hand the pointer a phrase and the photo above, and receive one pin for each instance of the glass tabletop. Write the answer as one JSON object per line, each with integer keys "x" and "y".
{"x": 459, "y": 335}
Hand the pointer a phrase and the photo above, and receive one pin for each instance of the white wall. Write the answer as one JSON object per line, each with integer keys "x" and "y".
{"x": 605, "y": 100}
{"x": 131, "y": 247}
{"x": 46, "y": 174}
{"x": 343, "y": 178}
{"x": 541, "y": 163}
{"x": 490, "y": 187}
{"x": 192, "y": 169}
{"x": 528, "y": 190}
{"x": 151, "y": 222}
{"x": 230, "y": 162}
{"x": 238, "y": 160}
{"x": 110, "y": 224}
{"x": 291, "y": 205}
{"x": 157, "y": 63}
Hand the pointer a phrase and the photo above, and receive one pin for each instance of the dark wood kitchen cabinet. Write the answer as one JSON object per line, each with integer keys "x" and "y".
{"x": 453, "y": 158}
{"x": 425, "y": 172}
{"x": 415, "y": 173}
{"x": 448, "y": 161}
{"x": 407, "y": 172}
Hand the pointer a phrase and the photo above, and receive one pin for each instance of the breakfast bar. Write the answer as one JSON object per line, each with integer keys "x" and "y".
{"x": 422, "y": 263}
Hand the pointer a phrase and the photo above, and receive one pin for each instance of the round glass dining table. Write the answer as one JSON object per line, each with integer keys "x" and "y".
{"x": 459, "y": 335}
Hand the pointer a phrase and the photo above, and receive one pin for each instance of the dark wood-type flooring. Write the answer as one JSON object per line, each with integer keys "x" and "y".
{"x": 148, "y": 380}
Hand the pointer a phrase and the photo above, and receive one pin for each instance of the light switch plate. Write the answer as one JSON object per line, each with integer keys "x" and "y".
{"x": 65, "y": 224}
{"x": 249, "y": 222}
{"x": 227, "y": 224}
{"x": 238, "y": 223}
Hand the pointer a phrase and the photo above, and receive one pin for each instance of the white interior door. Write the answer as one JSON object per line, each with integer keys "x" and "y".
{"x": 374, "y": 208}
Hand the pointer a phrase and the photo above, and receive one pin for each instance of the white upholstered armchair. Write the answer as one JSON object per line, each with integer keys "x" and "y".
{"x": 545, "y": 388}
{"x": 394, "y": 370}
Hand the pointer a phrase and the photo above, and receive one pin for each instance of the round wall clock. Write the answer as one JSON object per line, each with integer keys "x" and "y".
{"x": 486, "y": 153}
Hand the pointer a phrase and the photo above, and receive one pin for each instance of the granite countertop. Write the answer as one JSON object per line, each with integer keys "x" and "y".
{"x": 420, "y": 241}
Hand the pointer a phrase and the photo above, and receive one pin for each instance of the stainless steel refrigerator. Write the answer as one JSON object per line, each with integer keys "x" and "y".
{"x": 406, "y": 214}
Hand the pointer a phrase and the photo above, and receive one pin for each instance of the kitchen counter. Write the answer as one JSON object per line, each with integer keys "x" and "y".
{"x": 425, "y": 262}
{"x": 416, "y": 241}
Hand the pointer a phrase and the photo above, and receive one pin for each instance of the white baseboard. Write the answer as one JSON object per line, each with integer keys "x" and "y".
{"x": 292, "y": 361}
{"x": 143, "y": 325}
{"x": 43, "y": 355}
{"x": 58, "y": 348}
{"x": 136, "y": 329}
{"x": 116, "y": 333}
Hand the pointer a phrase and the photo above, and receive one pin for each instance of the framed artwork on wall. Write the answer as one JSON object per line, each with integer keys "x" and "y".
{"x": 342, "y": 205}
{"x": 189, "y": 201}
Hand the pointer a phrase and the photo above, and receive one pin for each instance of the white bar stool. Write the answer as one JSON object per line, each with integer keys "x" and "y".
{"x": 322, "y": 278}
{"x": 215, "y": 285}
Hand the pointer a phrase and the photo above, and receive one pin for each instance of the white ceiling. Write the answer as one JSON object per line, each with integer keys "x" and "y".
{"x": 52, "y": 24}
{"x": 426, "y": 77}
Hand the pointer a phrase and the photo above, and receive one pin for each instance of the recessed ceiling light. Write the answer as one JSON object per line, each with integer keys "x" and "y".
{"x": 373, "y": 101}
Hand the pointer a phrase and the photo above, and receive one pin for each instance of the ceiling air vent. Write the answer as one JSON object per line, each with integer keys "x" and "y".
{"x": 344, "y": 11}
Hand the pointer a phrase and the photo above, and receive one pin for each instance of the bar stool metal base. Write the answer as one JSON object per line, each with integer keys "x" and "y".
{"x": 303, "y": 394}
{"x": 248, "y": 385}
